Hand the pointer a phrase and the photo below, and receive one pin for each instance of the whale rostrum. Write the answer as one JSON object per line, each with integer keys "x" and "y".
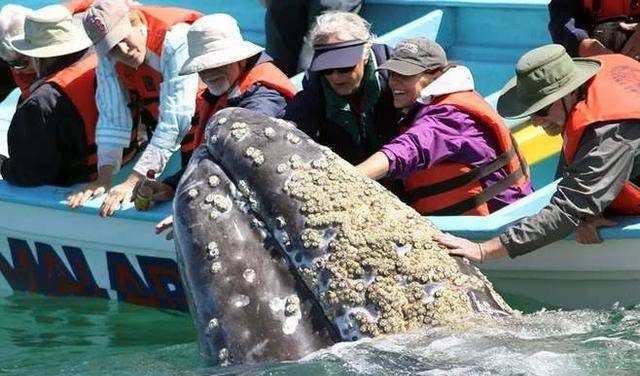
{"x": 284, "y": 248}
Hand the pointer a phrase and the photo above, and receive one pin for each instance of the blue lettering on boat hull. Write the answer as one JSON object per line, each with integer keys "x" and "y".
{"x": 46, "y": 273}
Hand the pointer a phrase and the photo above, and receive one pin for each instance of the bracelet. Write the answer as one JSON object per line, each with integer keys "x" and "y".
{"x": 481, "y": 252}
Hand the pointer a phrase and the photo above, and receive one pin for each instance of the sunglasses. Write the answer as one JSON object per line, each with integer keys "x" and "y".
{"x": 326, "y": 72}
{"x": 20, "y": 63}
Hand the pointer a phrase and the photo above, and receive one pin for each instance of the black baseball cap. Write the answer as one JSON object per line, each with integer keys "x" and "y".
{"x": 337, "y": 55}
{"x": 415, "y": 55}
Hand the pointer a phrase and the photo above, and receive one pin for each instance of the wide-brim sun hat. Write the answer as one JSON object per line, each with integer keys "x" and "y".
{"x": 215, "y": 41}
{"x": 543, "y": 76}
{"x": 50, "y": 32}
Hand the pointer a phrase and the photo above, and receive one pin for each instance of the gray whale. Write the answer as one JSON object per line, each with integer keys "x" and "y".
{"x": 284, "y": 249}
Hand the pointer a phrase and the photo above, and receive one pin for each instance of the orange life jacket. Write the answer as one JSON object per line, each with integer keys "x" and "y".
{"x": 611, "y": 95}
{"x": 265, "y": 73}
{"x": 608, "y": 9}
{"x": 78, "y": 83}
{"x": 143, "y": 83}
{"x": 450, "y": 188}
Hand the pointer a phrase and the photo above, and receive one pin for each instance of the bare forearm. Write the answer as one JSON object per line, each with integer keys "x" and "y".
{"x": 374, "y": 167}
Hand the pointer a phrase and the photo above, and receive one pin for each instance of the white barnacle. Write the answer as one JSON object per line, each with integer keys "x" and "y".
{"x": 295, "y": 161}
{"x": 280, "y": 222}
{"x": 222, "y": 120}
{"x": 214, "y": 180}
{"x": 216, "y": 267}
{"x": 293, "y": 138}
{"x": 240, "y": 301}
{"x": 281, "y": 169}
{"x": 209, "y": 198}
{"x": 249, "y": 275}
{"x": 223, "y": 355}
{"x": 214, "y": 138}
{"x": 221, "y": 203}
{"x": 193, "y": 193}
{"x": 214, "y": 214}
{"x": 212, "y": 250}
{"x": 213, "y": 325}
{"x": 270, "y": 132}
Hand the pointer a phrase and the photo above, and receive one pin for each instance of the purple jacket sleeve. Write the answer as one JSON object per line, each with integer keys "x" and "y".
{"x": 433, "y": 137}
{"x": 568, "y": 24}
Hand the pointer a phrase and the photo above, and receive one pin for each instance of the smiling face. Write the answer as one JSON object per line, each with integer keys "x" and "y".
{"x": 406, "y": 89}
{"x": 132, "y": 50}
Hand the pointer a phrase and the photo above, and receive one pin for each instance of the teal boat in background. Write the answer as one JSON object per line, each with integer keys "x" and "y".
{"x": 46, "y": 248}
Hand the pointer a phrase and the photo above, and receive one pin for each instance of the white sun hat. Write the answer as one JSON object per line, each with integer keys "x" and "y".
{"x": 50, "y": 32}
{"x": 214, "y": 41}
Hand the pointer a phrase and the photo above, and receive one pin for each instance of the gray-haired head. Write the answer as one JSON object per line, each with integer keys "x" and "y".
{"x": 336, "y": 26}
{"x": 11, "y": 25}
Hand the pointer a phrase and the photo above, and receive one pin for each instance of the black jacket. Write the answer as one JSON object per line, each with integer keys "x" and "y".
{"x": 307, "y": 110}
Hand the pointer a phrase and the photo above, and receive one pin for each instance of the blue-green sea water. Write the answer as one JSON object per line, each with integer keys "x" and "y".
{"x": 82, "y": 337}
{"x": 72, "y": 336}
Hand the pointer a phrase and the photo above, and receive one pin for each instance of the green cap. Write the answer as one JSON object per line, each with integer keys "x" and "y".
{"x": 543, "y": 76}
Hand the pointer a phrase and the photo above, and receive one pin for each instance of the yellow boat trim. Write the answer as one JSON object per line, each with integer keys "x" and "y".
{"x": 536, "y": 145}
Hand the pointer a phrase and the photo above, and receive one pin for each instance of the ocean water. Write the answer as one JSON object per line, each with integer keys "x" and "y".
{"x": 67, "y": 336}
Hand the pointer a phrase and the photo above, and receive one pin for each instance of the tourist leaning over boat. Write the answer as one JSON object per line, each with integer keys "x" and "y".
{"x": 15, "y": 68}
{"x": 51, "y": 135}
{"x": 455, "y": 155}
{"x": 140, "y": 93}
{"x": 594, "y": 104}
{"x": 237, "y": 73}
{"x": 345, "y": 104}
{"x": 591, "y": 27}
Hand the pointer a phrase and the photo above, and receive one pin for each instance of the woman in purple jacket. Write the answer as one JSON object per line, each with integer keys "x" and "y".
{"x": 455, "y": 155}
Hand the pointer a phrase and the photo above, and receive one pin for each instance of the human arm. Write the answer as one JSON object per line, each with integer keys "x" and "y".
{"x": 567, "y": 26}
{"x": 113, "y": 132}
{"x": 632, "y": 46}
{"x": 602, "y": 165}
{"x": 374, "y": 167}
{"x": 177, "y": 103}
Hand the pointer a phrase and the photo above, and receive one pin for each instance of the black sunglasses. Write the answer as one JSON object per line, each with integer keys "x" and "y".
{"x": 326, "y": 72}
{"x": 19, "y": 63}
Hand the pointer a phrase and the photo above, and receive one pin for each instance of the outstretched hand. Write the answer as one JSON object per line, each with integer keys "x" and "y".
{"x": 587, "y": 233}
{"x": 89, "y": 191}
{"x": 460, "y": 247}
{"x": 632, "y": 46}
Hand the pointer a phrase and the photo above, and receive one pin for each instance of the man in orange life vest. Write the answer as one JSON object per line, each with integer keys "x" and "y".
{"x": 237, "y": 73}
{"x": 15, "y": 68}
{"x": 140, "y": 92}
{"x": 596, "y": 27}
{"x": 594, "y": 104}
{"x": 51, "y": 135}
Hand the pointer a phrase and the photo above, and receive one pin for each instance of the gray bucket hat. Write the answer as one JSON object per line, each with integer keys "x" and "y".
{"x": 543, "y": 76}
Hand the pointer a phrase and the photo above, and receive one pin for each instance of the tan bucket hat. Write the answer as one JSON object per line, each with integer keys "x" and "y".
{"x": 214, "y": 41}
{"x": 50, "y": 32}
{"x": 543, "y": 76}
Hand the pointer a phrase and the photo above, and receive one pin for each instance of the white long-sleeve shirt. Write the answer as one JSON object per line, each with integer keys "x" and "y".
{"x": 177, "y": 106}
